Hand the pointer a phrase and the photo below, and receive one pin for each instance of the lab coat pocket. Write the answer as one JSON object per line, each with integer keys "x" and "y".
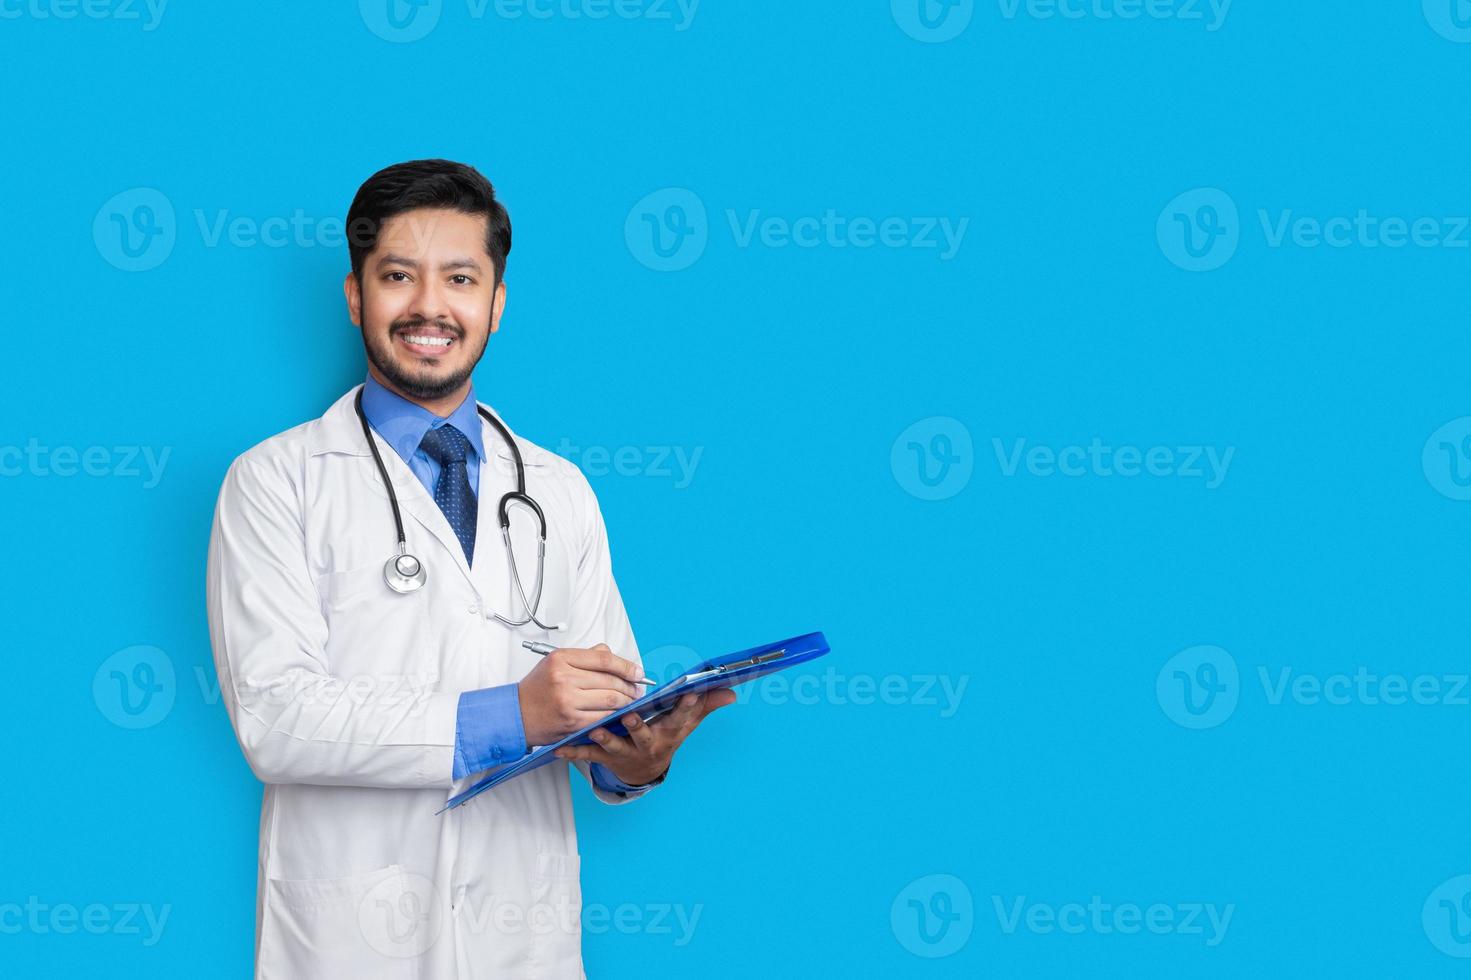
{"x": 378, "y": 924}
{"x": 555, "y": 916}
{"x": 372, "y": 630}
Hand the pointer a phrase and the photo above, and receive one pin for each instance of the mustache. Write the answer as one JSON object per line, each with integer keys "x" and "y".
{"x": 416, "y": 323}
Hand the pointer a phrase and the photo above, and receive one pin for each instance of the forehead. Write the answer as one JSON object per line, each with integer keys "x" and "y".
{"x": 427, "y": 231}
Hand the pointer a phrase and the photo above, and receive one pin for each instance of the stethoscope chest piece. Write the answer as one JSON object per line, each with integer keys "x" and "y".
{"x": 404, "y": 573}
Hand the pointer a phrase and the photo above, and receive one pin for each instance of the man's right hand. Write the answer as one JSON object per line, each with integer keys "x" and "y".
{"x": 572, "y": 688}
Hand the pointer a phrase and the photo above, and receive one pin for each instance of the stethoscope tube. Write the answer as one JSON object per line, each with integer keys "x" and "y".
{"x": 404, "y": 573}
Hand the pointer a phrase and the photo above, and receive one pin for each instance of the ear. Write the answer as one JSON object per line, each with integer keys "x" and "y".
{"x": 497, "y": 306}
{"x": 353, "y": 293}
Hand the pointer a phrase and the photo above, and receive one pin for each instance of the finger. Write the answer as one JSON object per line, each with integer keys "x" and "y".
{"x": 639, "y": 733}
{"x": 710, "y": 701}
{"x": 584, "y": 753}
{"x": 584, "y": 718}
{"x": 601, "y": 659}
{"x": 612, "y": 744}
{"x": 600, "y": 699}
{"x": 682, "y": 713}
{"x": 596, "y": 680}
{"x": 716, "y": 700}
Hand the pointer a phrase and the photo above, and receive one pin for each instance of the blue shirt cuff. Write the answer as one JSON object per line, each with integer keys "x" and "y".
{"x": 488, "y": 729}
{"x": 604, "y": 779}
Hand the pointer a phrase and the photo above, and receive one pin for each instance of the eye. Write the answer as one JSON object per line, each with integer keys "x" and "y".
{"x": 396, "y": 272}
{"x": 462, "y": 280}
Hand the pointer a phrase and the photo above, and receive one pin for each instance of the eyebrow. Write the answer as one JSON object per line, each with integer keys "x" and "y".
{"x": 456, "y": 263}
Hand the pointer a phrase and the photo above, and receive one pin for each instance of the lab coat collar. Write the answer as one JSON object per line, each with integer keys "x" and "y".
{"x": 339, "y": 431}
{"x": 403, "y": 423}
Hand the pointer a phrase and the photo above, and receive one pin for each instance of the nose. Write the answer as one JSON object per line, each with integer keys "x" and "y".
{"x": 429, "y": 300}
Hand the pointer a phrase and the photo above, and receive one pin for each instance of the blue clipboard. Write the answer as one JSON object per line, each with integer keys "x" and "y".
{"x": 719, "y": 672}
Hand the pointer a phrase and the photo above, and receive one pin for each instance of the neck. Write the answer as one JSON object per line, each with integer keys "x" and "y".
{"x": 440, "y": 407}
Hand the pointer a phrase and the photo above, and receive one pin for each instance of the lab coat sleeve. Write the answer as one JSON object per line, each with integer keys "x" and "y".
{"x": 598, "y": 616}
{"x": 296, "y": 722}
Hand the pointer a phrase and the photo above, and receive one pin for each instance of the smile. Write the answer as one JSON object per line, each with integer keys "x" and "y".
{"x": 426, "y": 344}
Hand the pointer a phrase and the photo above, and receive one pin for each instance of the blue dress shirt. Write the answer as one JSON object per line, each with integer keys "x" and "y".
{"x": 488, "y": 725}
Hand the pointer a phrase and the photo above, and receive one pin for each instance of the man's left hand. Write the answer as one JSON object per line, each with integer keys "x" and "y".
{"x": 644, "y": 755}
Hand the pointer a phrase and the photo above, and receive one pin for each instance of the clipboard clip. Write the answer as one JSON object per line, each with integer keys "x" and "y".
{"x": 727, "y": 668}
{"x": 706, "y": 675}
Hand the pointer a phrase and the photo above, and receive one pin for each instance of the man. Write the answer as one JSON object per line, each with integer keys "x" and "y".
{"x": 362, "y": 704}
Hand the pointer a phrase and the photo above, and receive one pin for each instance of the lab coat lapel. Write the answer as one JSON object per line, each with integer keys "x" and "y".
{"x": 418, "y": 504}
{"x": 340, "y": 430}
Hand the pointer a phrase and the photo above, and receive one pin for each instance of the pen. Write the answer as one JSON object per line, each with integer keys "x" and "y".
{"x": 542, "y": 649}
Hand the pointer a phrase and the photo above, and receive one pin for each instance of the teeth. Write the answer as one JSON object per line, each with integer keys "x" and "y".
{"x": 429, "y": 341}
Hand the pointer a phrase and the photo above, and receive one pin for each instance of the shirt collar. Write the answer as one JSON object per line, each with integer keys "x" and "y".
{"x": 402, "y": 424}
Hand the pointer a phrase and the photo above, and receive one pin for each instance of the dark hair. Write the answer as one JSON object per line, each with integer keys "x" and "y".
{"x": 425, "y": 184}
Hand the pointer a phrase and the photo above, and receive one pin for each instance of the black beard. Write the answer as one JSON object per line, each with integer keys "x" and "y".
{"x": 417, "y": 387}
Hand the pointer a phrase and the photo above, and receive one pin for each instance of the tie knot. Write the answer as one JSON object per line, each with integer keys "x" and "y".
{"x": 445, "y": 445}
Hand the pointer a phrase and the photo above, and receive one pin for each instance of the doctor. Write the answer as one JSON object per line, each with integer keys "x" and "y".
{"x": 361, "y": 706}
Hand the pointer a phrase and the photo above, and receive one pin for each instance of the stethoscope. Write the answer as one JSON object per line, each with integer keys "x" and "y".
{"x": 404, "y": 573}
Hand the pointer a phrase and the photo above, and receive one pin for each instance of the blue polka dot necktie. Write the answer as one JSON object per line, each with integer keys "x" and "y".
{"x": 448, "y": 447}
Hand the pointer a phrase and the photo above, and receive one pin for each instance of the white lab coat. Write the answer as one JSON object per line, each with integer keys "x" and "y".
{"x": 343, "y": 695}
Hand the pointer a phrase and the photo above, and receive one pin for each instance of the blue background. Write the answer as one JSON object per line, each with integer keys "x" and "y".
{"x": 1058, "y": 600}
